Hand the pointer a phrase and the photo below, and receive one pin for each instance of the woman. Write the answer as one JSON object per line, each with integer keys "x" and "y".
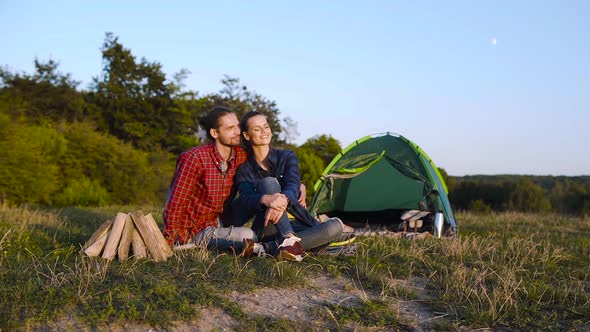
{"x": 268, "y": 185}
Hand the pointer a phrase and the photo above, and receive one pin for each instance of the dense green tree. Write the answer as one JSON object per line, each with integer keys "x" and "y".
{"x": 571, "y": 197}
{"x": 29, "y": 170}
{"x": 187, "y": 107}
{"x": 46, "y": 95}
{"x": 444, "y": 174}
{"x": 493, "y": 194}
{"x": 311, "y": 167}
{"x": 97, "y": 161}
{"x": 184, "y": 119}
{"x": 314, "y": 155}
{"x": 450, "y": 181}
{"x": 137, "y": 102}
{"x": 72, "y": 164}
{"x": 480, "y": 206}
{"x": 566, "y": 195}
{"x": 528, "y": 196}
{"x": 82, "y": 191}
{"x": 326, "y": 146}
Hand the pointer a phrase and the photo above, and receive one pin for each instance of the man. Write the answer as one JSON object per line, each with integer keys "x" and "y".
{"x": 202, "y": 187}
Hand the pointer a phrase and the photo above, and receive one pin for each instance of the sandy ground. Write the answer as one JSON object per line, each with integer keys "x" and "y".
{"x": 301, "y": 304}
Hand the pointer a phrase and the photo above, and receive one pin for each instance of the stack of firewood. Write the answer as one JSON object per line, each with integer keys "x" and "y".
{"x": 129, "y": 235}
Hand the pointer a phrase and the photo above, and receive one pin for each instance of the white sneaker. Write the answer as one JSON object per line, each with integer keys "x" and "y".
{"x": 291, "y": 249}
{"x": 259, "y": 250}
{"x": 290, "y": 241}
{"x": 251, "y": 248}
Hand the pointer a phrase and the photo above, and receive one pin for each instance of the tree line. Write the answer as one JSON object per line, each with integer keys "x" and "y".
{"x": 559, "y": 194}
{"x": 116, "y": 142}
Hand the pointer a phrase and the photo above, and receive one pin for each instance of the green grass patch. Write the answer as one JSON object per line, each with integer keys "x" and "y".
{"x": 367, "y": 314}
{"x": 511, "y": 270}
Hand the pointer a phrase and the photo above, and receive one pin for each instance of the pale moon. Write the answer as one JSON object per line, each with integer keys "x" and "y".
{"x": 494, "y": 41}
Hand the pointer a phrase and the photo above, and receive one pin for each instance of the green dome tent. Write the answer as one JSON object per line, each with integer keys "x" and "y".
{"x": 378, "y": 178}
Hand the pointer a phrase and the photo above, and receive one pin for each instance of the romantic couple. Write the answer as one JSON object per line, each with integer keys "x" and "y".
{"x": 219, "y": 186}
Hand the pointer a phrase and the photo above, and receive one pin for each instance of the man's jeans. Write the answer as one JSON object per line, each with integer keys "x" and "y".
{"x": 224, "y": 238}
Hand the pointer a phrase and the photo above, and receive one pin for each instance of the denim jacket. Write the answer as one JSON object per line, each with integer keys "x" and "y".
{"x": 284, "y": 166}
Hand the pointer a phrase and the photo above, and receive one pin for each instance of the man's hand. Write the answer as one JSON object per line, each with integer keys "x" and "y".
{"x": 302, "y": 193}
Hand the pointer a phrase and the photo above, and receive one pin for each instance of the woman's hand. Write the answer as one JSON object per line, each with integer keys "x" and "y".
{"x": 276, "y": 205}
{"x": 273, "y": 216}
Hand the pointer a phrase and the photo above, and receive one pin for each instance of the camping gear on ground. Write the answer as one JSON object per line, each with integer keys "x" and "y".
{"x": 385, "y": 179}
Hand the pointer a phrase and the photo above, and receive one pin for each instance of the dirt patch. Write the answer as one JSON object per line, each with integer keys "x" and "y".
{"x": 298, "y": 304}
{"x": 209, "y": 319}
{"x": 305, "y": 303}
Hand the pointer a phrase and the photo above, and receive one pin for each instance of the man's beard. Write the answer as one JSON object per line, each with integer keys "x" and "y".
{"x": 230, "y": 143}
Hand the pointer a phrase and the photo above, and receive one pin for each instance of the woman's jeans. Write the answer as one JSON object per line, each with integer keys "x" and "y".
{"x": 315, "y": 237}
{"x": 312, "y": 238}
{"x": 269, "y": 186}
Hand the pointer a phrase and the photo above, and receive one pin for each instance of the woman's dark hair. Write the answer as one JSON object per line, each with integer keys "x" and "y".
{"x": 211, "y": 119}
{"x": 244, "y": 127}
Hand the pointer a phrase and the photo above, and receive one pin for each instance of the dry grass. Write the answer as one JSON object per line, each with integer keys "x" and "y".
{"x": 510, "y": 270}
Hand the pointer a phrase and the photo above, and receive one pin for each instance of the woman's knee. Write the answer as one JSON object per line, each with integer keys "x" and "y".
{"x": 269, "y": 185}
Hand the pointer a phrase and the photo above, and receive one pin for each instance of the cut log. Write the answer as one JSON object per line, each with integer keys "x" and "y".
{"x": 102, "y": 230}
{"x": 96, "y": 248}
{"x": 110, "y": 248}
{"x": 139, "y": 249}
{"x": 162, "y": 244}
{"x": 125, "y": 243}
{"x": 150, "y": 239}
{"x": 134, "y": 233}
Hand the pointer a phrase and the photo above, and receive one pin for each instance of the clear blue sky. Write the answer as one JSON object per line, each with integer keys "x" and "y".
{"x": 484, "y": 87}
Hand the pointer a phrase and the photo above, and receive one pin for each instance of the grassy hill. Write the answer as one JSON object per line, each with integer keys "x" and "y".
{"x": 510, "y": 270}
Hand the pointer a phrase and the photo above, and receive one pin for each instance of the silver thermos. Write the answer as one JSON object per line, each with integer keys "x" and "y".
{"x": 439, "y": 221}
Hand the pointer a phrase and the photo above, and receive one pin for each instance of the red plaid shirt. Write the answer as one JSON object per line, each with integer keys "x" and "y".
{"x": 199, "y": 191}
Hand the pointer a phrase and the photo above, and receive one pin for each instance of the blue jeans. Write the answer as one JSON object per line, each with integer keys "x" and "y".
{"x": 269, "y": 186}
{"x": 313, "y": 238}
{"x": 224, "y": 238}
